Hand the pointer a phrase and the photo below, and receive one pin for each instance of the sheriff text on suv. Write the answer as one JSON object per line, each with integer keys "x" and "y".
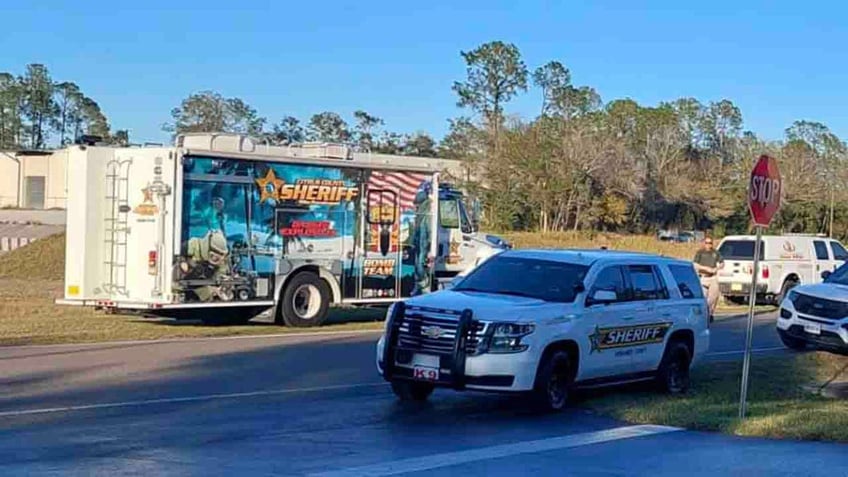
{"x": 544, "y": 322}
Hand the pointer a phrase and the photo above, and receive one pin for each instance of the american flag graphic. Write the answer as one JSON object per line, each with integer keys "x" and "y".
{"x": 405, "y": 184}
{"x": 400, "y": 185}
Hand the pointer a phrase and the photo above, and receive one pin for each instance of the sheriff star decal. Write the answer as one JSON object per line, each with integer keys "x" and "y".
{"x": 623, "y": 336}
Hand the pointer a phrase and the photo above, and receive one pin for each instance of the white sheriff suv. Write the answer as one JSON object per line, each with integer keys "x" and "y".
{"x": 547, "y": 321}
{"x": 817, "y": 315}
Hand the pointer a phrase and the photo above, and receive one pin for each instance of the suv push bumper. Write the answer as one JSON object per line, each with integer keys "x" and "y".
{"x": 512, "y": 372}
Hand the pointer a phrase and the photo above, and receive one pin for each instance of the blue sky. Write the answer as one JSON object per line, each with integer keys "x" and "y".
{"x": 779, "y": 61}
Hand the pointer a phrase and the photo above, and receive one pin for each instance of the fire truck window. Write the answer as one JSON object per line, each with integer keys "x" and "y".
{"x": 449, "y": 214}
{"x": 467, "y": 226}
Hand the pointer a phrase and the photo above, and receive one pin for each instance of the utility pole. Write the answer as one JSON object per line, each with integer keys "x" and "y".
{"x": 830, "y": 227}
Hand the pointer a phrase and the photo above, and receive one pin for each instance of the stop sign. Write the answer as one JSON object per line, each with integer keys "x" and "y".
{"x": 764, "y": 191}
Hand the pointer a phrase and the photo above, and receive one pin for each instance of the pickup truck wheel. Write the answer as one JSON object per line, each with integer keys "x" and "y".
{"x": 790, "y": 342}
{"x": 412, "y": 391}
{"x": 553, "y": 383}
{"x": 305, "y": 301}
{"x": 673, "y": 373}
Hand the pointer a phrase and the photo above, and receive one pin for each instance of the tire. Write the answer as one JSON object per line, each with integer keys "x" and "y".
{"x": 554, "y": 379}
{"x": 412, "y": 391}
{"x": 792, "y": 343}
{"x": 305, "y": 301}
{"x": 673, "y": 373}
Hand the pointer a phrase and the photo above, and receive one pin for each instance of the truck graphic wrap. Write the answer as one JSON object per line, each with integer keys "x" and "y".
{"x": 246, "y": 224}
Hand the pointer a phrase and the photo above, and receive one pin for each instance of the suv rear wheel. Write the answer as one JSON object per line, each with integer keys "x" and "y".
{"x": 553, "y": 382}
{"x": 673, "y": 373}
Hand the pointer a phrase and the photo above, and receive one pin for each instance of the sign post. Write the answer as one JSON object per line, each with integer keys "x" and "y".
{"x": 764, "y": 193}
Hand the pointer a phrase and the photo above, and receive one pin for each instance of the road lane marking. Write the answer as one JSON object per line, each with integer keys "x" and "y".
{"x": 742, "y": 351}
{"x": 198, "y": 338}
{"x": 206, "y": 397}
{"x": 449, "y": 459}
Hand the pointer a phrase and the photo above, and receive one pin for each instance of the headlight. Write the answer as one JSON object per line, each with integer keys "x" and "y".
{"x": 506, "y": 337}
{"x": 792, "y": 295}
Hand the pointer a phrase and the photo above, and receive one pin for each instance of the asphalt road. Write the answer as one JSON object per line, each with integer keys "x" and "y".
{"x": 302, "y": 405}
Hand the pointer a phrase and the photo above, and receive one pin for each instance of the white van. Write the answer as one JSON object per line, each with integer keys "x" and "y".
{"x": 786, "y": 261}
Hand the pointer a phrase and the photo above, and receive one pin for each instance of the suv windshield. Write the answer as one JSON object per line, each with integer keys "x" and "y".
{"x": 543, "y": 279}
{"x": 839, "y": 276}
{"x": 739, "y": 250}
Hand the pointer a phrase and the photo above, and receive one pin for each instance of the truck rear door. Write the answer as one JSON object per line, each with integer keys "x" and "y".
{"x": 738, "y": 255}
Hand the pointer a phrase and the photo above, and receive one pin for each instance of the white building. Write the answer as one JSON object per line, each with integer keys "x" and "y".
{"x": 33, "y": 179}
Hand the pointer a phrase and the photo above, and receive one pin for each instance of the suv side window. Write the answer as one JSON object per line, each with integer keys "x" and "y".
{"x": 644, "y": 282}
{"x": 687, "y": 281}
{"x": 611, "y": 279}
{"x": 839, "y": 252}
{"x": 821, "y": 250}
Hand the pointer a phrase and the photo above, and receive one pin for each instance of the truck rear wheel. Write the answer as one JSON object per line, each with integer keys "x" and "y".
{"x": 305, "y": 301}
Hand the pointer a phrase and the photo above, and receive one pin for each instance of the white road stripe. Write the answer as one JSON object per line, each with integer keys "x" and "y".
{"x": 448, "y": 459}
{"x": 207, "y": 397}
{"x": 742, "y": 351}
{"x": 199, "y": 338}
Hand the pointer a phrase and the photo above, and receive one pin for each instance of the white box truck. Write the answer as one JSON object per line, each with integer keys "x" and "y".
{"x": 221, "y": 227}
{"x": 786, "y": 261}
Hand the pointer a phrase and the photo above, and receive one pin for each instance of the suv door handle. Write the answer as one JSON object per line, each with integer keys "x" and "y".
{"x": 627, "y": 318}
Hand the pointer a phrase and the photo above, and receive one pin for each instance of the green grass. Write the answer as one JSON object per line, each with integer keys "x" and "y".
{"x": 637, "y": 243}
{"x": 43, "y": 259}
{"x": 778, "y": 404}
{"x": 28, "y": 315}
{"x": 31, "y": 278}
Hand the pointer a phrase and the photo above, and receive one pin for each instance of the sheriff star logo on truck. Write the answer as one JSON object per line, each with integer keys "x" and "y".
{"x": 304, "y": 191}
{"x": 619, "y": 337}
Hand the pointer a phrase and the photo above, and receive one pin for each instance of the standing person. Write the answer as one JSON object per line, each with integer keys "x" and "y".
{"x": 707, "y": 263}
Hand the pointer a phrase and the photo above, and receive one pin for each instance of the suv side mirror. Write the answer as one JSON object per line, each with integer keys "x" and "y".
{"x": 604, "y": 296}
{"x": 825, "y": 274}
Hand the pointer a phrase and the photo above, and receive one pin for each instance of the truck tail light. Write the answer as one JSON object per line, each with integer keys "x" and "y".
{"x": 151, "y": 262}
{"x": 765, "y": 272}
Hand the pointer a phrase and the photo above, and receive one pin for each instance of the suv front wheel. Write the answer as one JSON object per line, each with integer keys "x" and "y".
{"x": 673, "y": 374}
{"x": 553, "y": 382}
{"x": 412, "y": 391}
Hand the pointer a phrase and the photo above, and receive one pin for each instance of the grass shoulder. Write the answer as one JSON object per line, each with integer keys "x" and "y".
{"x": 28, "y": 315}
{"x": 780, "y": 403}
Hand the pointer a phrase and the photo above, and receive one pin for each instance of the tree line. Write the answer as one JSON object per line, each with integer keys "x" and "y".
{"x": 209, "y": 111}
{"x": 582, "y": 163}
{"x": 37, "y": 112}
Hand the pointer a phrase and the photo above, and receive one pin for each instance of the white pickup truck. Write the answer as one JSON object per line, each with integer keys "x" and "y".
{"x": 786, "y": 261}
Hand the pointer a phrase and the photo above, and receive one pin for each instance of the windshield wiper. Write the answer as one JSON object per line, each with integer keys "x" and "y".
{"x": 516, "y": 293}
{"x": 472, "y": 289}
